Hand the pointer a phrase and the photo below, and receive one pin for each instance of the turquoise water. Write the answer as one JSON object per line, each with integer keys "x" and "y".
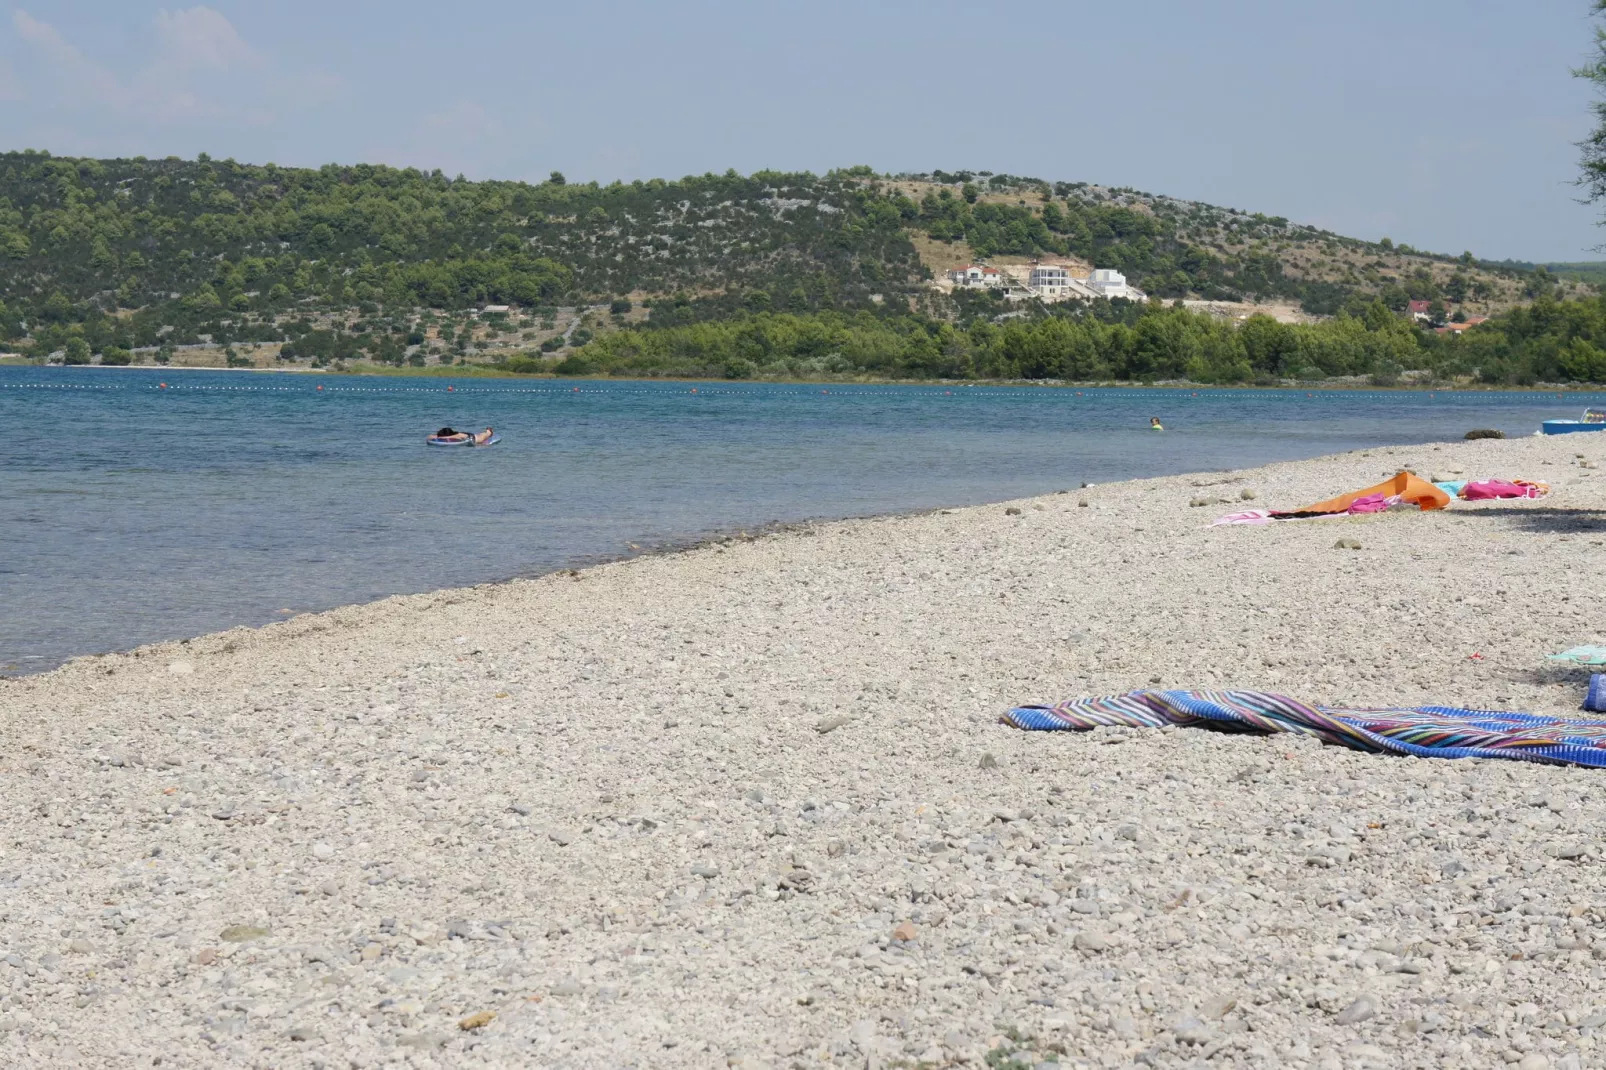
{"x": 130, "y": 513}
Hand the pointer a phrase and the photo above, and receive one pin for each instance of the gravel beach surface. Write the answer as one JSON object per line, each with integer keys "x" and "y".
{"x": 750, "y": 804}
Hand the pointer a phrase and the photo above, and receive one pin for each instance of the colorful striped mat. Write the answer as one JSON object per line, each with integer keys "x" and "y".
{"x": 1423, "y": 731}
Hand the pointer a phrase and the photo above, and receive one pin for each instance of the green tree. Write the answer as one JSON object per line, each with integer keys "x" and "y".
{"x": 76, "y": 351}
{"x": 1593, "y": 160}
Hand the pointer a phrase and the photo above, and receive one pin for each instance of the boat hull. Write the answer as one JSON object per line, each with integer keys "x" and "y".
{"x": 1570, "y": 427}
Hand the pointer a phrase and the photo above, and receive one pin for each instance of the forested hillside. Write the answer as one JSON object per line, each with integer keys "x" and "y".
{"x": 131, "y": 233}
{"x": 782, "y": 274}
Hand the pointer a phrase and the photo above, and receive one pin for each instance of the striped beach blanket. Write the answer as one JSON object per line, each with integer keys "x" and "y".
{"x": 1423, "y": 731}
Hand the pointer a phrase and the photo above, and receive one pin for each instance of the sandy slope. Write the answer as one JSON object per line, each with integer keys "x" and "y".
{"x": 601, "y": 806}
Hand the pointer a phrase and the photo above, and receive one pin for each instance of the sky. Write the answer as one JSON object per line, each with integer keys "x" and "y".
{"x": 1447, "y": 124}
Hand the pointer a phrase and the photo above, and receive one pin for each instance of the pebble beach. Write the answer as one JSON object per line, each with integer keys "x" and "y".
{"x": 751, "y": 805}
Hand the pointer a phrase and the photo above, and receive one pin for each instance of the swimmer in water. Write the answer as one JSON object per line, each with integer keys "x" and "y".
{"x": 1154, "y": 424}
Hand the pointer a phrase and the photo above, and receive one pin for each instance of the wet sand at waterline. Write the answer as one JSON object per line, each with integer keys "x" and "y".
{"x": 750, "y": 804}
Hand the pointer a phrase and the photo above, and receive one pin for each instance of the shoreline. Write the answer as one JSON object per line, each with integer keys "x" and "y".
{"x": 474, "y": 371}
{"x": 750, "y": 800}
{"x": 667, "y": 549}
{"x": 718, "y": 540}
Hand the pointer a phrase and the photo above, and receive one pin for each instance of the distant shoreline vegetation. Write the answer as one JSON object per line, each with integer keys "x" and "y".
{"x": 502, "y": 371}
{"x": 1549, "y": 342}
{"x": 770, "y": 275}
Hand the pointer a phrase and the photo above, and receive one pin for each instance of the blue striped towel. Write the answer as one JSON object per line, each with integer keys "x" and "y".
{"x": 1422, "y": 731}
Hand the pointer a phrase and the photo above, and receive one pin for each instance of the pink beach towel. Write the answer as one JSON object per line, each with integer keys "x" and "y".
{"x": 1251, "y": 516}
{"x": 1372, "y": 503}
{"x": 1487, "y": 489}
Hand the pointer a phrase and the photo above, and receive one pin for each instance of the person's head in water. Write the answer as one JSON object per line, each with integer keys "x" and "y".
{"x": 1154, "y": 421}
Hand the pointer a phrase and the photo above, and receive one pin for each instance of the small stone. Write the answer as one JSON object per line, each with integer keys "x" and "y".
{"x": 1246, "y": 495}
{"x": 988, "y": 761}
{"x": 567, "y": 987}
{"x": 371, "y": 951}
{"x": 477, "y": 1020}
{"x": 1012, "y": 511}
{"x": 705, "y": 870}
{"x": 561, "y": 837}
{"x": 523, "y": 809}
{"x": 1092, "y": 941}
{"x": 904, "y": 931}
{"x": 205, "y": 957}
{"x": 1198, "y": 503}
{"x": 300, "y": 1033}
{"x": 1358, "y": 1011}
{"x": 329, "y": 888}
{"x": 1193, "y": 1031}
{"x": 832, "y": 723}
{"x": 181, "y": 668}
{"x": 80, "y": 946}
{"x": 835, "y": 848}
{"x": 239, "y": 934}
{"x": 1219, "y": 1007}
{"x": 1534, "y": 1060}
{"x": 1081, "y": 505}
{"x": 322, "y": 851}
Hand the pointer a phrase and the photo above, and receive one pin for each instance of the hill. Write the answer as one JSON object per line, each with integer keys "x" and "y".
{"x": 257, "y": 263}
{"x": 1179, "y": 249}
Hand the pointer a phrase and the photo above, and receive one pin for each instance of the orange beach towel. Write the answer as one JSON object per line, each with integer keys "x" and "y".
{"x": 1404, "y": 486}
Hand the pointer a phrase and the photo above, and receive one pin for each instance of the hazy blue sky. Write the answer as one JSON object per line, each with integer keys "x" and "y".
{"x": 1448, "y": 124}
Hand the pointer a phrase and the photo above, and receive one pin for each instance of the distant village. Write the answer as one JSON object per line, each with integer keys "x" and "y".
{"x": 1046, "y": 282}
{"x": 1055, "y": 282}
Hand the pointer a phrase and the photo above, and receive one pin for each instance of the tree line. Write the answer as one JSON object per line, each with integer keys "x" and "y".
{"x": 1551, "y": 341}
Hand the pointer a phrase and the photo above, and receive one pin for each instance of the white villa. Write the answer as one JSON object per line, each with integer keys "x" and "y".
{"x": 975, "y": 276}
{"x": 1112, "y": 284}
{"x": 1046, "y": 282}
{"x": 1054, "y": 282}
{"x": 1049, "y": 280}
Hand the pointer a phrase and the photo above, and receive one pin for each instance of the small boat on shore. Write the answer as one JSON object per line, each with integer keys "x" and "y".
{"x": 1594, "y": 420}
{"x": 446, "y": 436}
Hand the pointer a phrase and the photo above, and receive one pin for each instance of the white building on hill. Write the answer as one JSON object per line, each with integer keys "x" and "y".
{"x": 974, "y": 276}
{"x": 1054, "y": 282}
{"x": 1049, "y": 280}
{"x": 1107, "y": 282}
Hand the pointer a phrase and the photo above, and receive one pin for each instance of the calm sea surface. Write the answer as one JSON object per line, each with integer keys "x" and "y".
{"x": 130, "y": 513}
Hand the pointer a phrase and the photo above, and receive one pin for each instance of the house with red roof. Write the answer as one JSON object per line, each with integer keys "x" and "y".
{"x": 1457, "y": 328}
{"x": 976, "y": 276}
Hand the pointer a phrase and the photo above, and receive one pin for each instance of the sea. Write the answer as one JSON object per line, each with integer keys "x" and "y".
{"x": 139, "y": 505}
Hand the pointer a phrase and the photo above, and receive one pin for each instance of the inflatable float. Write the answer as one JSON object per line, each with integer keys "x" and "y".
{"x": 448, "y": 437}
